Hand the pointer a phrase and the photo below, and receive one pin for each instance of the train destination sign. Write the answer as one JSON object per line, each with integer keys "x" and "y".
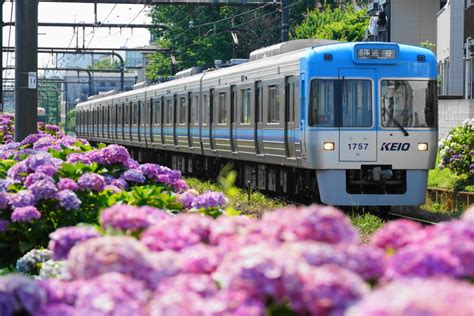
{"x": 369, "y": 53}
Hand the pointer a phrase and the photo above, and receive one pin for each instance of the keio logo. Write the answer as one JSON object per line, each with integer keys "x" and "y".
{"x": 395, "y": 147}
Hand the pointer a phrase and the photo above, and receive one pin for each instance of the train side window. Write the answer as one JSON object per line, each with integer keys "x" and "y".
{"x": 246, "y": 97}
{"x": 274, "y": 104}
{"x": 222, "y": 115}
{"x": 169, "y": 111}
{"x": 182, "y": 110}
{"x": 194, "y": 113}
{"x": 205, "y": 109}
{"x": 322, "y": 103}
{"x": 135, "y": 114}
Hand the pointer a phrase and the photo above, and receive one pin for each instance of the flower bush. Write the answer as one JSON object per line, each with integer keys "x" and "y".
{"x": 457, "y": 149}
{"x": 189, "y": 264}
{"x": 51, "y": 180}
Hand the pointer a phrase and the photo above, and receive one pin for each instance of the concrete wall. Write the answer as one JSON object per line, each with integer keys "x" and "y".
{"x": 413, "y": 21}
{"x": 453, "y": 112}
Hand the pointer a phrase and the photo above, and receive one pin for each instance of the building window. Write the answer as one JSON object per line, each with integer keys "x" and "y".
{"x": 273, "y": 104}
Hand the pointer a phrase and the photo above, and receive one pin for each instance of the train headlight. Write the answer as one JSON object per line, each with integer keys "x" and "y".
{"x": 328, "y": 146}
{"x": 422, "y": 146}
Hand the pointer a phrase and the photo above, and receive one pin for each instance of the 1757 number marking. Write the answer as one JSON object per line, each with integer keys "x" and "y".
{"x": 358, "y": 146}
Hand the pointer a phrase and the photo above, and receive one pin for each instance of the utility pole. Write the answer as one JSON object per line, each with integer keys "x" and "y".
{"x": 26, "y": 59}
{"x": 285, "y": 17}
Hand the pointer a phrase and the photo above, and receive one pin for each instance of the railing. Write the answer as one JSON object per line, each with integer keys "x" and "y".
{"x": 452, "y": 200}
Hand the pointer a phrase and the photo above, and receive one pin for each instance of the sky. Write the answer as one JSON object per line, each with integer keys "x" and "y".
{"x": 75, "y": 12}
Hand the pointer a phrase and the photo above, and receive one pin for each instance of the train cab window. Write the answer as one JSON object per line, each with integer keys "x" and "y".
{"x": 273, "y": 104}
{"x": 182, "y": 110}
{"x": 222, "y": 114}
{"x": 408, "y": 103}
{"x": 322, "y": 103}
{"x": 246, "y": 97}
{"x": 356, "y": 103}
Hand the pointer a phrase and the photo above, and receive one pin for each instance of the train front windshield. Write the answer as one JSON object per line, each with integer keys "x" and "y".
{"x": 408, "y": 103}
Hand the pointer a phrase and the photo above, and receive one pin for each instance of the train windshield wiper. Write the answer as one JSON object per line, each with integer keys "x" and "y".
{"x": 400, "y": 126}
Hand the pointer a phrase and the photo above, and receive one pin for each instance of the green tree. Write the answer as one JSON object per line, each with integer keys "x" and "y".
{"x": 106, "y": 64}
{"x": 342, "y": 23}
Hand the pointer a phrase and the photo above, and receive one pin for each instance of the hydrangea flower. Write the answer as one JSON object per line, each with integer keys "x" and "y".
{"x": 20, "y": 294}
{"x": 32, "y": 178}
{"x": 415, "y": 296}
{"x": 67, "y": 184}
{"x": 115, "y": 154}
{"x": 21, "y": 198}
{"x": 25, "y": 214}
{"x": 318, "y": 223}
{"x": 63, "y": 239}
{"x": 32, "y": 260}
{"x": 68, "y": 200}
{"x": 78, "y": 157}
{"x": 61, "y": 291}
{"x": 201, "y": 284}
{"x": 35, "y": 161}
{"x": 50, "y": 170}
{"x": 92, "y": 182}
{"x": 187, "y": 198}
{"x": 395, "y": 235}
{"x": 119, "y": 254}
{"x": 176, "y": 233}
{"x": 3, "y": 225}
{"x": 226, "y": 228}
{"x": 209, "y": 199}
{"x": 133, "y": 175}
{"x": 422, "y": 261}
{"x": 112, "y": 293}
{"x": 56, "y": 310}
{"x": 201, "y": 259}
{"x": 43, "y": 189}
{"x": 96, "y": 156}
{"x": 120, "y": 183}
{"x": 4, "y": 198}
{"x": 54, "y": 269}
{"x": 126, "y": 217}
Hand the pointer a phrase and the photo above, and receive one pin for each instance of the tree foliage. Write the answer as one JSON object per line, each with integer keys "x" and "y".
{"x": 198, "y": 35}
{"x": 106, "y": 64}
{"x": 342, "y": 23}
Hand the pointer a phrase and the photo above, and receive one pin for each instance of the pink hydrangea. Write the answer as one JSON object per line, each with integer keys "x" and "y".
{"x": 395, "y": 235}
{"x": 427, "y": 297}
{"x": 126, "y": 217}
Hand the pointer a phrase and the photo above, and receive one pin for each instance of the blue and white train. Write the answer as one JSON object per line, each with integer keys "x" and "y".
{"x": 347, "y": 123}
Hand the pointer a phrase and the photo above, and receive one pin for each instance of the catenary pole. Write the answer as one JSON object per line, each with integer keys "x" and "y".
{"x": 26, "y": 60}
{"x": 285, "y": 21}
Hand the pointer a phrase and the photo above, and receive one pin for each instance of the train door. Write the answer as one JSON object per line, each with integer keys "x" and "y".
{"x": 211, "y": 119}
{"x": 258, "y": 133}
{"x": 109, "y": 118}
{"x": 189, "y": 119}
{"x": 357, "y": 131}
{"x": 290, "y": 116}
{"x": 233, "y": 121}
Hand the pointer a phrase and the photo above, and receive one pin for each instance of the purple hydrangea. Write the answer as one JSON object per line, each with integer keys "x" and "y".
{"x": 45, "y": 143}
{"x": 78, "y": 157}
{"x": 368, "y": 262}
{"x": 68, "y": 200}
{"x": 318, "y": 223}
{"x": 56, "y": 310}
{"x": 176, "y": 233}
{"x": 67, "y": 184}
{"x": 19, "y": 171}
{"x": 32, "y": 178}
{"x": 120, "y": 183}
{"x": 428, "y": 297}
{"x": 200, "y": 259}
{"x": 132, "y": 164}
{"x": 96, "y": 156}
{"x": 115, "y": 154}
{"x": 5, "y": 183}
{"x": 4, "y": 198}
{"x": 226, "y": 228}
{"x": 422, "y": 261}
{"x": 92, "y": 182}
{"x": 63, "y": 239}
{"x": 35, "y": 161}
{"x": 21, "y": 198}
{"x": 325, "y": 290}
{"x": 209, "y": 199}
{"x": 50, "y": 170}
{"x": 20, "y": 295}
{"x": 25, "y": 214}
{"x": 120, "y": 254}
{"x": 3, "y": 225}
{"x": 150, "y": 170}
{"x": 30, "y": 139}
{"x": 187, "y": 198}
{"x": 61, "y": 291}
{"x": 395, "y": 235}
{"x": 133, "y": 175}
{"x": 126, "y": 217}
{"x": 112, "y": 294}
{"x": 43, "y": 189}
{"x": 52, "y": 128}
{"x": 201, "y": 284}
